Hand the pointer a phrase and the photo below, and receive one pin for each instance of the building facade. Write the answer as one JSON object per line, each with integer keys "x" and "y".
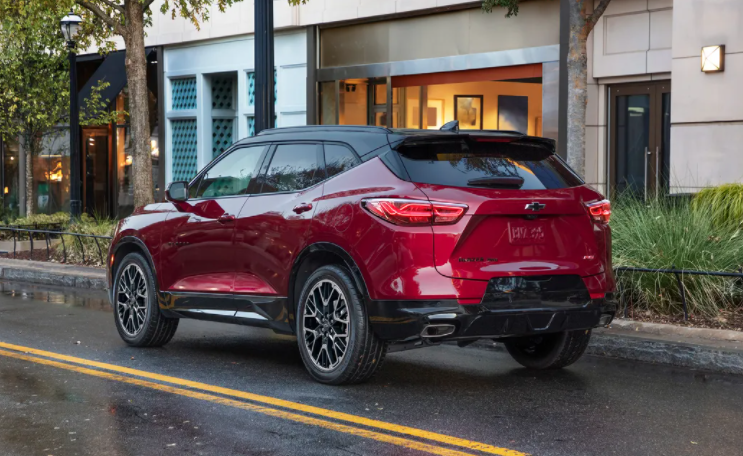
{"x": 655, "y": 121}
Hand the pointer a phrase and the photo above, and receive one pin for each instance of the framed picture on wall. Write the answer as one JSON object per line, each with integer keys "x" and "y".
{"x": 468, "y": 111}
{"x": 434, "y": 114}
{"x": 513, "y": 113}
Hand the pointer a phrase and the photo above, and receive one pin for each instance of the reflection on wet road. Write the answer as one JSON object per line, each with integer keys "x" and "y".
{"x": 68, "y": 385}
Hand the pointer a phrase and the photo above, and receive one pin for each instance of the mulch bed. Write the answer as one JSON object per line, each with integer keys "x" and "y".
{"x": 732, "y": 320}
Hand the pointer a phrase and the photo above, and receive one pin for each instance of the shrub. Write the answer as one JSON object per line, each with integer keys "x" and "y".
{"x": 665, "y": 232}
{"x": 725, "y": 203}
{"x": 86, "y": 250}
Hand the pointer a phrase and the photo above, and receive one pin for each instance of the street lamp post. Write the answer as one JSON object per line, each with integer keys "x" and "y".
{"x": 264, "y": 81}
{"x": 70, "y": 25}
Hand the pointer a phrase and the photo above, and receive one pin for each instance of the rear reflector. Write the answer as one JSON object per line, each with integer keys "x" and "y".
{"x": 597, "y": 295}
{"x": 415, "y": 212}
{"x": 601, "y": 211}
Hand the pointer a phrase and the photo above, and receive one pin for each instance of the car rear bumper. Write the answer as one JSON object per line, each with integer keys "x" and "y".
{"x": 448, "y": 320}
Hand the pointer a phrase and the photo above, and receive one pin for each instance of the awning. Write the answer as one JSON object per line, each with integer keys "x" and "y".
{"x": 113, "y": 71}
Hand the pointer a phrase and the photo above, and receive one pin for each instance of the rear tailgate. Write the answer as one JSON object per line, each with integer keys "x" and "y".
{"x": 527, "y": 211}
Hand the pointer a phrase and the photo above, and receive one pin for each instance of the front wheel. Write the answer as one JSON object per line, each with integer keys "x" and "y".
{"x": 136, "y": 312}
{"x": 549, "y": 351}
{"x": 335, "y": 339}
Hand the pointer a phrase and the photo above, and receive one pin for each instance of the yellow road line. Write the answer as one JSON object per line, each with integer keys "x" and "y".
{"x": 405, "y": 443}
{"x": 433, "y": 436}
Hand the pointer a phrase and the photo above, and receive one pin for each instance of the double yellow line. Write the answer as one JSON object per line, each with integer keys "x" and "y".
{"x": 358, "y": 426}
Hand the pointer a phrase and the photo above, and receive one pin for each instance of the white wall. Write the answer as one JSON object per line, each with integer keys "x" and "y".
{"x": 235, "y": 57}
{"x": 706, "y": 108}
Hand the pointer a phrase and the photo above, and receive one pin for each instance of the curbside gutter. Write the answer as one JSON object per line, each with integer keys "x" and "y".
{"x": 711, "y": 350}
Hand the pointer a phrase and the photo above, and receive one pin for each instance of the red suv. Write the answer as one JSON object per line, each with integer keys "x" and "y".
{"x": 359, "y": 239}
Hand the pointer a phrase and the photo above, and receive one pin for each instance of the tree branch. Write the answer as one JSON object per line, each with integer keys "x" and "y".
{"x": 596, "y": 15}
{"x": 102, "y": 16}
{"x": 147, "y": 3}
{"x": 113, "y": 5}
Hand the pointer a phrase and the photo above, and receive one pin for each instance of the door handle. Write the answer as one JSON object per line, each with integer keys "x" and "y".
{"x": 303, "y": 207}
{"x": 226, "y": 218}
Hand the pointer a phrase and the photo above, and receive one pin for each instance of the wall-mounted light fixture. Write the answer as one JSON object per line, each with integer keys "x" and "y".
{"x": 713, "y": 58}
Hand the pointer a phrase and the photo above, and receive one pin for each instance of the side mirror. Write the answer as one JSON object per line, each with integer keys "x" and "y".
{"x": 177, "y": 192}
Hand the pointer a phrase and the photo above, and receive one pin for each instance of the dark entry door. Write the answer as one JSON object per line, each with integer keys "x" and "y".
{"x": 640, "y": 138}
{"x": 96, "y": 189}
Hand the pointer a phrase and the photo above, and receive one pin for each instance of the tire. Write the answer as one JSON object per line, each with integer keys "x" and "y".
{"x": 364, "y": 351}
{"x": 152, "y": 330}
{"x": 550, "y": 351}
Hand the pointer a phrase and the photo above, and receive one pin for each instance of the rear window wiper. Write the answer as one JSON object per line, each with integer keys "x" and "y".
{"x": 502, "y": 181}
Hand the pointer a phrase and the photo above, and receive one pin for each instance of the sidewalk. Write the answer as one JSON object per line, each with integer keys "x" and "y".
{"x": 698, "y": 348}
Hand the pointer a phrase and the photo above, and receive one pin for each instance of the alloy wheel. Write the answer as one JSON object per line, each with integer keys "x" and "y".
{"x": 131, "y": 300}
{"x": 326, "y": 325}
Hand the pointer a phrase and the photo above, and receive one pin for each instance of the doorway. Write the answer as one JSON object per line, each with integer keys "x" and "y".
{"x": 639, "y": 138}
{"x": 96, "y": 191}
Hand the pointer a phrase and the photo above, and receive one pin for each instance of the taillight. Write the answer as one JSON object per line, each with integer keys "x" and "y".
{"x": 601, "y": 211}
{"x": 415, "y": 212}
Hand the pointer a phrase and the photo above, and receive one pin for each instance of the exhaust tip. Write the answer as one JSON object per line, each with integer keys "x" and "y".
{"x": 438, "y": 331}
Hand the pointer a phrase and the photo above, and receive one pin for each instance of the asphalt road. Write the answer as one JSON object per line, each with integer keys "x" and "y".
{"x": 443, "y": 400}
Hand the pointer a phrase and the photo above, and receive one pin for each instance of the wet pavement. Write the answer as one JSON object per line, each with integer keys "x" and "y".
{"x": 598, "y": 406}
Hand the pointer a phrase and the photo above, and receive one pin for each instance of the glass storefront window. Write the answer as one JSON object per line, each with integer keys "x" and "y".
{"x": 11, "y": 196}
{"x": 353, "y": 102}
{"x": 328, "y": 112}
{"x": 51, "y": 173}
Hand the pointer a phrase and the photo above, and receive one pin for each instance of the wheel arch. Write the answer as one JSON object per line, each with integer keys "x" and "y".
{"x": 125, "y": 246}
{"x": 317, "y": 255}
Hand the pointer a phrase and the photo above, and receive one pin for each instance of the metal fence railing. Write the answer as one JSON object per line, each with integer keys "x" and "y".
{"x": 679, "y": 273}
{"x": 48, "y": 235}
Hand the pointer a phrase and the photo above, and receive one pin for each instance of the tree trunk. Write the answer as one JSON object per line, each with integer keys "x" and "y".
{"x": 136, "y": 72}
{"x": 577, "y": 81}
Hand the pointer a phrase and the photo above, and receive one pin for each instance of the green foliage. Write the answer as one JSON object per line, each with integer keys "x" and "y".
{"x": 725, "y": 203}
{"x": 663, "y": 233}
{"x": 95, "y": 112}
{"x": 196, "y": 11}
{"x": 89, "y": 246}
{"x": 34, "y": 81}
{"x": 62, "y": 218}
{"x": 511, "y": 6}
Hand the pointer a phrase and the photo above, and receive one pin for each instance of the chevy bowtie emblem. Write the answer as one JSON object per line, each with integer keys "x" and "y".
{"x": 535, "y": 206}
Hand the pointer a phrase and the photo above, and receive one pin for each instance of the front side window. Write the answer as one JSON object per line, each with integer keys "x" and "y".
{"x": 338, "y": 159}
{"x": 294, "y": 167}
{"x": 230, "y": 175}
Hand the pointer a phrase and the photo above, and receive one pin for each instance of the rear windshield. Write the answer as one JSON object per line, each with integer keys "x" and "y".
{"x": 522, "y": 165}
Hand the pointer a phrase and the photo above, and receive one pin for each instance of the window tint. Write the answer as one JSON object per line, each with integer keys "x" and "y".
{"x": 294, "y": 167}
{"x": 338, "y": 159}
{"x": 230, "y": 175}
{"x": 523, "y": 165}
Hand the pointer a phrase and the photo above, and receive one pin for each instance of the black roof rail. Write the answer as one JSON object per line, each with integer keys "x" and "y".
{"x": 338, "y": 128}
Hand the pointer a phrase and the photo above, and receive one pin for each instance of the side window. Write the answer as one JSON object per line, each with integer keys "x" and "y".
{"x": 294, "y": 167}
{"x": 338, "y": 159}
{"x": 230, "y": 175}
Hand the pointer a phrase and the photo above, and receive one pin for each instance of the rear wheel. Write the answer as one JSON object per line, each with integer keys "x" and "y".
{"x": 335, "y": 339}
{"x": 136, "y": 312}
{"x": 549, "y": 351}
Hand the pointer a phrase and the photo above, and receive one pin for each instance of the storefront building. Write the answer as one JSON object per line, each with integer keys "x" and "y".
{"x": 406, "y": 73}
{"x": 655, "y": 121}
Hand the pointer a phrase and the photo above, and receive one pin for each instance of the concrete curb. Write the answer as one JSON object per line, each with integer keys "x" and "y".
{"x": 56, "y": 274}
{"x": 719, "y": 355}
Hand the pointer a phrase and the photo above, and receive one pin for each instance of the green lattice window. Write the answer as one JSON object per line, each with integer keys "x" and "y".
{"x": 185, "y": 162}
{"x": 222, "y": 93}
{"x": 184, "y": 94}
{"x": 222, "y": 131}
{"x": 251, "y": 88}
